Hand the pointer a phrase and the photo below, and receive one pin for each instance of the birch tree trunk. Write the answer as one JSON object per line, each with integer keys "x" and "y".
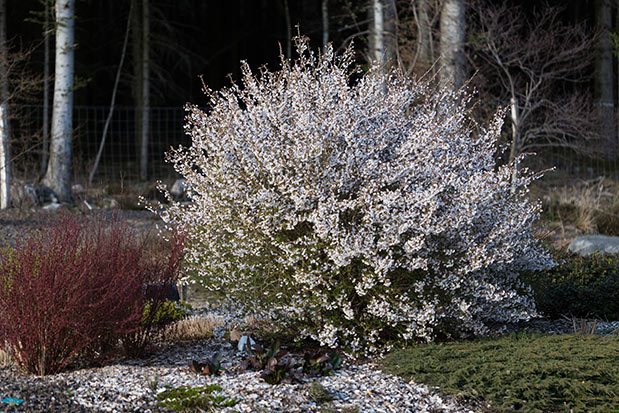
{"x": 58, "y": 175}
{"x": 390, "y": 32}
{"x": 377, "y": 43}
{"x": 604, "y": 73}
{"x": 145, "y": 111}
{"x": 325, "y": 24}
{"x": 5, "y": 156}
{"x": 45, "y": 137}
{"x": 453, "y": 28}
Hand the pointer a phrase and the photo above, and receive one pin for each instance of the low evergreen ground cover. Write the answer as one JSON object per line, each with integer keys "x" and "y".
{"x": 519, "y": 372}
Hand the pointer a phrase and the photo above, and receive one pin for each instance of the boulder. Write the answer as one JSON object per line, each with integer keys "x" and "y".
{"x": 588, "y": 244}
{"x": 108, "y": 203}
{"x": 23, "y": 196}
{"x": 77, "y": 188}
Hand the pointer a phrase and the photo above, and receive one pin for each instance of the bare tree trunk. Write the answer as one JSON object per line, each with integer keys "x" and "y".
{"x": 377, "y": 43}
{"x": 617, "y": 111}
{"x": 114, "y": 90}
{"x": 45, "y": 137}
{"x": 424, "y": 40}
{"x": 5, "y": 156}
{"x": 145, "y": 116}
{"x": 325, "y": 24}
{"x": 604, "y": 72}
{"x": 136, "y": 54}
{"x": 288, "y": 30}
{"x": 453, "y": 26}
{"x": 516, "y": 147}
{"x": 390, "y": 32}
{"x": 58, "y": 175}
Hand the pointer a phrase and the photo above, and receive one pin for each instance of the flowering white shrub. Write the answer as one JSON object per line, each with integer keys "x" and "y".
{"x": 356, "y": 207}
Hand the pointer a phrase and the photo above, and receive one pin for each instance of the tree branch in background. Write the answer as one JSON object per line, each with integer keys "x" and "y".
{"x": 539, "y": 67}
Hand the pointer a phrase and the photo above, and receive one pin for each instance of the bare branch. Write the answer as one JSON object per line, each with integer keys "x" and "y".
{"x": 539, "y": 63}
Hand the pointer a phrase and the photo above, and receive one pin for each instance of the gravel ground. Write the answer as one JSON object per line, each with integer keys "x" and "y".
{"x": 129, "y": 386}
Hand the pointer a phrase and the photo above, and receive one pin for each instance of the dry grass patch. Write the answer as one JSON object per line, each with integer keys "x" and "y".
{"x": 192, "y": 328}
{"x": 5, "y": 359}
{"x": 588, "y": 207}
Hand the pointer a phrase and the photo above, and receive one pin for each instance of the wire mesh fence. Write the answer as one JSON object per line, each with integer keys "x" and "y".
{"x": 120, "y": 157}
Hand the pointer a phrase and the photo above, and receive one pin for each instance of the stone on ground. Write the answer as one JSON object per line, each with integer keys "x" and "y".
{"x": 589, "y": 244}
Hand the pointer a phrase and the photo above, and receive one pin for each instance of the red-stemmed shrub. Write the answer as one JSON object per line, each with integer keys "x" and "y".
{"x": 75, "y": 282}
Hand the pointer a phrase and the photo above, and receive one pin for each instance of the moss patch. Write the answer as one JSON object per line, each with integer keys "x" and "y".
{"x": 193, "y": 399}
{"x": 520, "y": 372}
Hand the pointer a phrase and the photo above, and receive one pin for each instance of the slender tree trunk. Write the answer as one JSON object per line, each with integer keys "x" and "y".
{"x": 45, "y": 137}
{"x": 136, "y": 54}
{"x": 516, "y": 146}
{"x": 58, "y": 175}
{"x": 390, "y": 32}
{"x": 617, "y": 111}
{"x": 288, "y": 30}
{"x": 145, "y": 116}
{"x": 325, "y": 24}
{"x": 604, "y": 73}
{"x": 5, "y": 156}
{"x": 114, "y": 90}
{"x": 452, "y": 58}
{"x": 377, "y": 42}
{"x": 425, "y": 48}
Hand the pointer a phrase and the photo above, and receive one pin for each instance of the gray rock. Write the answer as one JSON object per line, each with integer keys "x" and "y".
{"x": 23, "y": 196}
{"x": 77, "y": 188}
{"x": 588, "y": 244}
{"x": 179, "y": 188}
{"x": 52, "y": 206}
{"x": 108, "y": 203}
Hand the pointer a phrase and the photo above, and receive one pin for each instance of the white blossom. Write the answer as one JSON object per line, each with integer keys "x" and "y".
{"x": 357, "y": 207}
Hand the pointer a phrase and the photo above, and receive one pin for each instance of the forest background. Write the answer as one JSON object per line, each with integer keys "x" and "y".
{"x": 552, "y": 65}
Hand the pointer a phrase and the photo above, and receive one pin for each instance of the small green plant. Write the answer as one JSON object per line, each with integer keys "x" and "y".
{"x": 282, "y": 371}
{"x": 209, "y": 367}
{"x": 153, "y": 383}
{"x": 260, "y": 358}
{"x": 193, "y": 399}
{"x": 167, "y": 312}
{"x": 318, "y": 393}
{"x": 274, "y": 369}
{"x": 324, "y": 365}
